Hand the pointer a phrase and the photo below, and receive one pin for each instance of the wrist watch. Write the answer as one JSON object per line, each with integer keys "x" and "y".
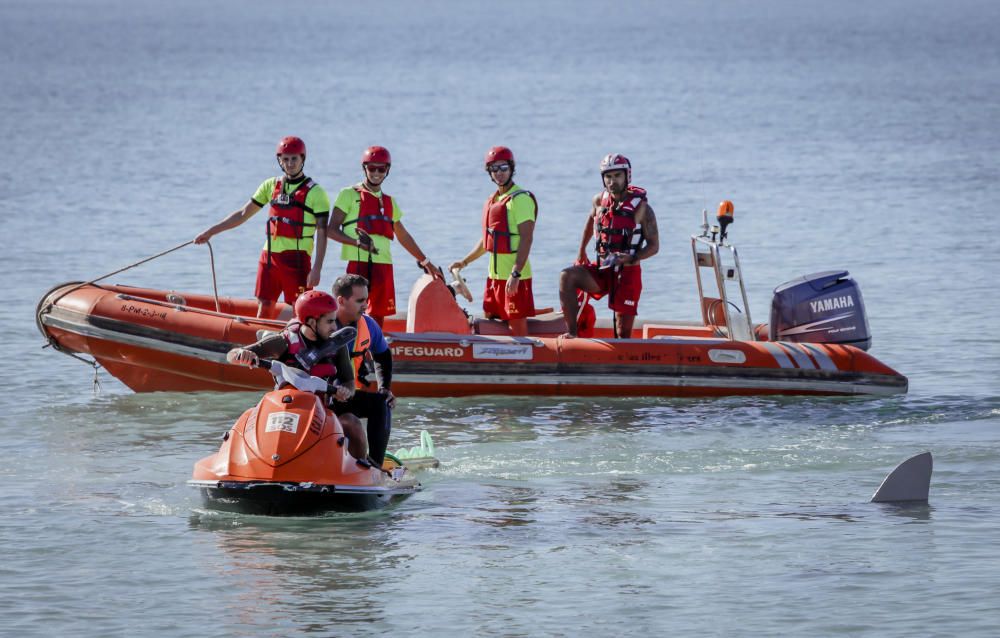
{"x": 516, "y": 274}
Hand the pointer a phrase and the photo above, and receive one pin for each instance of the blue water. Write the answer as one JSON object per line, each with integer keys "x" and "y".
{"x": 850, "y": 135}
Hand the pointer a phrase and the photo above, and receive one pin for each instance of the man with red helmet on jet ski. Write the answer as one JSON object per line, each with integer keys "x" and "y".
{"x": 508, "y": 228}
{"x": 366, "y": 220}
{"x": 372, "y": 361}
{"x": 299, "y": 210}
{"x": 301, "y": 344}
{"x": 623, "y": 223}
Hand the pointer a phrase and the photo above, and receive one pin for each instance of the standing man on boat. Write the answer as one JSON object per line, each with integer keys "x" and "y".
{"x": 366, "y": 220}
{"x": 623, "y": 223}
{"x": 509, "y": 216}
{"x": 372, "y": 360}
{"x": 303, "y": 344}
{"x": 299, "y": 210}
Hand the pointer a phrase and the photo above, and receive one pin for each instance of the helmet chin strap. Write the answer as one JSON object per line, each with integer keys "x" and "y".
{"x": 368, "y": 180}
{"x": 301, "y": 172}
{"x": 312, "y": 329}
{"x": 510, "y": 179}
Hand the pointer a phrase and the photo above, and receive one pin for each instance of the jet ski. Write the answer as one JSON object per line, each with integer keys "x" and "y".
{"x": 288, "y": 456}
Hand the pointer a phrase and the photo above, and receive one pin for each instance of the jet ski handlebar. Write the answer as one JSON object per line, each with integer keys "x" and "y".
{"x": 302, "y": 380}
{"x": 297, "y": 378}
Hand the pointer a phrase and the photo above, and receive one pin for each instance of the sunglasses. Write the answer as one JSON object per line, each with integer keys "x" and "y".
{"x": 499, "y": 168}
{"x": 371, "y": 168}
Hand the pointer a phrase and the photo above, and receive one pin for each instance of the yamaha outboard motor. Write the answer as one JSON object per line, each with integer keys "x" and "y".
{"x": 824, "y": 307}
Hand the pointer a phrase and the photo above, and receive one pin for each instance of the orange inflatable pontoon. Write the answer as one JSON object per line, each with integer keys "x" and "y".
{"x": 815, "y": 343}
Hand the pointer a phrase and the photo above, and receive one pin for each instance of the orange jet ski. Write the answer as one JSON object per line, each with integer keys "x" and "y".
{"x": 288, "y": 456}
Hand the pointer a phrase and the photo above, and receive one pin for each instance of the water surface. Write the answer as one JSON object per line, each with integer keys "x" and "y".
{"x": 853, "y": 136}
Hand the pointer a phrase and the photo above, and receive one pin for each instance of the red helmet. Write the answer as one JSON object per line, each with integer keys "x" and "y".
{"x": 617, "y": 162}
{"x": 292, "y": 146}
{"x": 314, "y": 303}
{"x": 499, "y": 154}
{"x": 376, "y": 155}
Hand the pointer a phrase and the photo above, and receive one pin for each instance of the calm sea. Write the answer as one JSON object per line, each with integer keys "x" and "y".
{"x": 857, "y": 135}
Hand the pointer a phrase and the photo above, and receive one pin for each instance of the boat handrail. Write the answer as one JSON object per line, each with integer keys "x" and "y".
{"x": 212, "y": 313}
{"x": 462, "y": 340}
{"x": 739, "y": 323}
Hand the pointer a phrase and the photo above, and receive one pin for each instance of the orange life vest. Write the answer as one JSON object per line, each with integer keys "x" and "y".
{"x": 362, "y": 343}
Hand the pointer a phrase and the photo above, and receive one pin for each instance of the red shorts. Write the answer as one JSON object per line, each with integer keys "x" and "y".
{"x": 287, "y": 273}
{"x": 381, "y": 287}
{"x": 496, "y": 303}
{"x": 623, "y": 288}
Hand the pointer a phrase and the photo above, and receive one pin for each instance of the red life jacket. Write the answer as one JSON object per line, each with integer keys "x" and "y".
{"x": 288, "y": 211}
{"x": 373, "y": 217}
{"x": 301, "y": 353}
{"x": 497, "y": 232}
{"x": 615, "y": 225}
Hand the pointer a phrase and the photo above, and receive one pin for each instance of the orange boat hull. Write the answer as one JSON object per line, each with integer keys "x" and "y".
{"x": 158, "y": 341}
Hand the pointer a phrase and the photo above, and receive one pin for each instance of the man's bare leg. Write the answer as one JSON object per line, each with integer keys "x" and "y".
{"x": 623, "y": 325}
{"x": 570, "y": 279}
{"x": 518, "y": 327}
{"x": 357, "y": 439}
{"x": 266, "y": 309}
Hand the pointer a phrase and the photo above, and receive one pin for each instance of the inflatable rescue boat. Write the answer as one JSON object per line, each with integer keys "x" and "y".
{"x": 816, "y": 341}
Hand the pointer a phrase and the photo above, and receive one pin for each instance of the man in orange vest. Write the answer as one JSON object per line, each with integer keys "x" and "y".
{"x": 366, "y": 220}
{"x": 508, "y": 228}
{"x": 623, "y": 223}
{"x": 299, "y": 210}
{"x": 373, "y": 399}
